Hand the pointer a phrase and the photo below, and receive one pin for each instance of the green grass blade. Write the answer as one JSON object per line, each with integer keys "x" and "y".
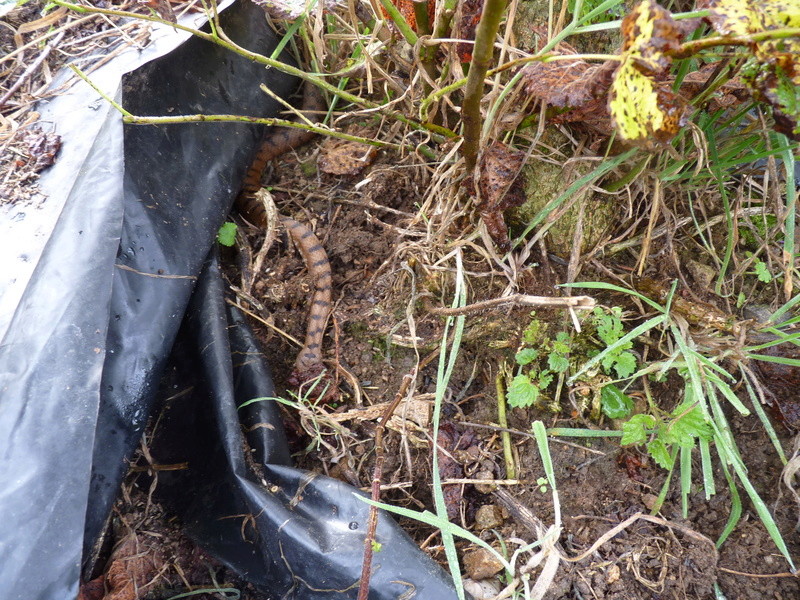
{"x": 600, "y": 285}
{"x": 781, "y": 338}
{"x": 781, "y": 360}
{"x": 762, "y": 415}
{"x": 708, "y": 470}
{"x": 774, "y": 317}
{"x": 686, "y": 478}
{"x": 726, "y": 391}
{"x": 692, "y": 370}
{"x": 789, "y": 165}
{"x": 447, "y": 361}
{"x": 736, "y": 501}
{"x": 662, "y": 495}
{"x": 438, "y": 522}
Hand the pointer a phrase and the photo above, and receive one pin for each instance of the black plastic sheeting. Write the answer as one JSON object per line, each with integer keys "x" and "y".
{"x": 111, "y": 300}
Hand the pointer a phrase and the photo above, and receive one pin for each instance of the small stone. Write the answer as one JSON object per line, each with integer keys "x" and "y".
{"x": 485, "y": 488}
{"x": 481, "y": 564}
{"x": 612, "y": 575}
{"x": 481, "y": 590}
{"x": 488, "y": 516}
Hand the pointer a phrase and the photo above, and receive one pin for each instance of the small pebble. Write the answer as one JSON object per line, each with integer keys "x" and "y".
{"x": 487, "y": 488}
{"x": 488, "y": 516}
{"x": 481, "y": 590}
{"x": 481, "y": 564}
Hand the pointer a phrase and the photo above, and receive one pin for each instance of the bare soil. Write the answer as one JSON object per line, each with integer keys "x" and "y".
{"x": 599, "y": 484}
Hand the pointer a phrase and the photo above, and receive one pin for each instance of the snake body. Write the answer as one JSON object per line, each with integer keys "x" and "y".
{"x": 309, "y": 361}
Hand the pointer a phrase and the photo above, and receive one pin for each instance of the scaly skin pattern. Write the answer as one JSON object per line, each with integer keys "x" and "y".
{"x": 309, "y": 362}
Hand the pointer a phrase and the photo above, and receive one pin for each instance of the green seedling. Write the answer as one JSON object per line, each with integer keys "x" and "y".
{"x": 542, "y": 483}
{"x": 542, "y": 359}
{"x": 682, "y": 427}
{"x": 226, "y": 236}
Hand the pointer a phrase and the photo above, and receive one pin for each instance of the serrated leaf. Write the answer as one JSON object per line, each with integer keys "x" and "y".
{"x": 545, "y": 379}
{"x": 625, "y": 364}
{"x": 557, "y": 362}
{"x": 615, "y": 403}
{"x": 687, "y": 424}
{"x": 609, "y": 329}
{"x": 226, "y": 235}
{"x": 522, "y": 392}
{"x": 762, "y": 272}
{"x": 533, "y": 333}
{"x": 526, "y": 356}
{"x": 634, "y": 430}
{"x": 660, "y": 454}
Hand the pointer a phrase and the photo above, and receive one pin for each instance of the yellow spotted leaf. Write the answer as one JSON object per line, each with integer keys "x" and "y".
{"x": 773, "y": 73}
{"x": 643, "y": 108}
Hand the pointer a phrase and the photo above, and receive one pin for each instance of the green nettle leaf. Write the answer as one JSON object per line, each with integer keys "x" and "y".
{"x": 609, "y": 328}
{"x": 561, "y": 345}
{"x": 226, "y": 235}
{"x": 533, "y": 333}
{"x": 787, "y": 92}
{"x": 615, "y": 403}
{"x": 625, "y": 364}
{"x": 522, "y": 392}
{"x": 635, "y": 430}
{"x": 526, "y": 356}
{"x": 557, "y": 362}
{"x": 545, "y": 379}
{"x": 687, "y": 426}
{"x": 658, "y": 450}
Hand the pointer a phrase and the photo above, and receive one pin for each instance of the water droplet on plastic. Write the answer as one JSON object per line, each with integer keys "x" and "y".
{"x": 353, "y": 525}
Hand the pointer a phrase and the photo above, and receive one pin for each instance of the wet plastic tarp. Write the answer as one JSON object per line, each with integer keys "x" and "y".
{"x": 111, "y": 299}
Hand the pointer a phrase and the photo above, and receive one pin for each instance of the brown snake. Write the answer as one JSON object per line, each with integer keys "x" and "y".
{"x": 309, "y": 361}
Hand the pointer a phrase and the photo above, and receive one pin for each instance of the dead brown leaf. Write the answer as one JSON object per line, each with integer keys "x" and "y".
{"x": 345, "y": 157}
{"x": 500, "y": 189}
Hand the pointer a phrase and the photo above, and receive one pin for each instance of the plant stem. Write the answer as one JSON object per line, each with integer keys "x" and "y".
{"x": 439, "y": 134}
{"x": 400, "y": 22}
{"x": 481, "y": 57}
{"x": 508, "y": 455}
{"x": 421, "y": 15}
{"x": 372, "y": 525}
{"x": 693, "y": 47}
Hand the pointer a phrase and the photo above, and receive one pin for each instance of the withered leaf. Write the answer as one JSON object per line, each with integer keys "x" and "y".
{"x": 42, "y": 148}
{"x": 774, "y": 72}
{"x": 500, "y": 188}
{"x": 471, "y": 11}
{"x": 728, "y": 94}
{"x": 345, "y": 157}
{"x": 162, "y": 8}
{"x": 592, "y": 117}
{"x": 643, "y": 107}
{"x": 567, "y": 83}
